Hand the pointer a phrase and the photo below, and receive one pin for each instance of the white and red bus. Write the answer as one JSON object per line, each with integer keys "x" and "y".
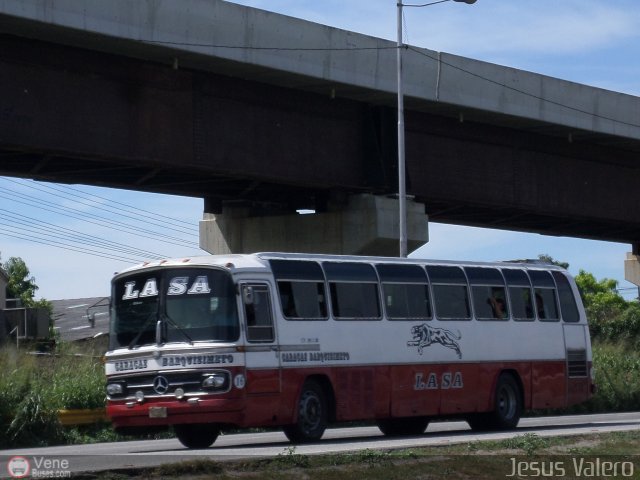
{"x": 300, "y": 341}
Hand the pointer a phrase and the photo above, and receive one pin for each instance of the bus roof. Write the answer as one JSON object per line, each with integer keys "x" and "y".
{"x": 230, "y": 261}
{"x": 259, "y": 261}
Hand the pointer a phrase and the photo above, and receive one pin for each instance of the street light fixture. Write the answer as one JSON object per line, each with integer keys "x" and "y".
{"x": 402, "y": 186}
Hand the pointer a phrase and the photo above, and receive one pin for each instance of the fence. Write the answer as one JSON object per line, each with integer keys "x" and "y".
{"x": 24, "y": 324}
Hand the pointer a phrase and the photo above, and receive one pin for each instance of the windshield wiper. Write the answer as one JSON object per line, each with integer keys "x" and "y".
{"x": 173, "y": 323}
{"x": 143, "y": 329}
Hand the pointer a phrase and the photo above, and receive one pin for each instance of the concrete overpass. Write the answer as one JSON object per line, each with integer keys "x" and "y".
{"x": 263, "y": 114}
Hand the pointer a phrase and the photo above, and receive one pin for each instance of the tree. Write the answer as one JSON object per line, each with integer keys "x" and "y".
{"x": 544, "y": 257}
{"x": 600, "y": 296}
{"x": 603, "y": 304}
{"x": 22, "y": 284}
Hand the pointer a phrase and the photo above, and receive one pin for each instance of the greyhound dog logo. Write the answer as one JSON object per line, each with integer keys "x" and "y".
{"x": 424, "y": 336}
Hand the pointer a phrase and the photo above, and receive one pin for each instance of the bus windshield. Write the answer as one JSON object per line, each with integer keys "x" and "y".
{"x": 173, "y": 305}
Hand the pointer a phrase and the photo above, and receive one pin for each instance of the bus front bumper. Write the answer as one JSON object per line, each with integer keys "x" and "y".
{"x": 160, "y": 412}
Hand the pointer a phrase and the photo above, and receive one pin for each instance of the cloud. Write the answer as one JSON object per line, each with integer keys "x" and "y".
{"x": 452, "y": 242}
{"x": 543, "y": 26}
{"x": 487, "y": 27}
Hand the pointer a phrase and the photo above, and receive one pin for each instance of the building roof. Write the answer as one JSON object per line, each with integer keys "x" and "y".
{"x": 71, "y": 317}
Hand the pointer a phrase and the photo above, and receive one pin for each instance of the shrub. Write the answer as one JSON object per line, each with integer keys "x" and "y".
{"x": 34, "y": 424}
{"x": 617, "y": 377}
{"x": 33, "y": 389}
{"x": 24, "y": 414}
{"x": 77, "y": 382}
{"x": 623, "y": 327}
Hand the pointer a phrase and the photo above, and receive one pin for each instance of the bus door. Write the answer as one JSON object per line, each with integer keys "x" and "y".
{"x": 578, "y": 381}
{"x": 261, "y": 351}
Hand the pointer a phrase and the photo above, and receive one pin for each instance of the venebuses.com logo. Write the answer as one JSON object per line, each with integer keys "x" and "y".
{"x": 38, "y": 467}
{"x": 18, "y": 467}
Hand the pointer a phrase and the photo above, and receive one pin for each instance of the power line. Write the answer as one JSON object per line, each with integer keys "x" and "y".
{"x": 424, "y": 4}
{"x": 135, "y": 208}
{"x": 95, "y": 219}
{"x": 96, "y": 205}
{"x": 72, "y": 248}
{"x": 276, "y": 49}
{"x": 38, "y": 226}
{"x": 51, "y": 197}
{"x": 520, "y": 91}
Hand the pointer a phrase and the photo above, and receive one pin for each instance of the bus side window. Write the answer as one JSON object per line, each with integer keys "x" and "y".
{"x": 488, "y": 292}
{"x": 407, "y": 301}
{"x": 405, "y": 291}
{"x": 568, "y": 306}
{"x": 301, "y": 288}
{"x": 302, "y": 300}
{"x": 545, "y": 295}
{"x": 450, "y": 292}
{"x": 258, "y": 315}
{"x": 355, "y": 300}
{"x": 519, "y": 287}
{"x": 354, "y": 290}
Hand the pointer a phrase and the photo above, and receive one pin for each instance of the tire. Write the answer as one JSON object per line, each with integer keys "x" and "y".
{"x": 507, "y": 407}
{"x": 313, "y": 415}
{"x": 197, "y": 435}
{"x": 396, "y": 427}
{"x": 508, "y": 403}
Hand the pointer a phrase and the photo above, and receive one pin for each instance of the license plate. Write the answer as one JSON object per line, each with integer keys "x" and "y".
{"x": 157, "y": 412}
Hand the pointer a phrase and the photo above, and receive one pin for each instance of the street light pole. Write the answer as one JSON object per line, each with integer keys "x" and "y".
{"x": 402, "y": 178}
{"x": 402, "y": 186}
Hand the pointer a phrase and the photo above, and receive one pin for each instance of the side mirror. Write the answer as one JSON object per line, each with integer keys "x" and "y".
{"x": 247, "y": 295}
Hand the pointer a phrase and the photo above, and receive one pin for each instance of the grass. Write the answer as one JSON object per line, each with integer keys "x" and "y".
{"x": 477, "y": 460}
{"x": 33, "y": 388}
{"x": 617, "y": 370}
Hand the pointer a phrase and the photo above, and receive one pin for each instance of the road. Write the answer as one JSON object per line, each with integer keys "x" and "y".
{"x": 110, "y": 456}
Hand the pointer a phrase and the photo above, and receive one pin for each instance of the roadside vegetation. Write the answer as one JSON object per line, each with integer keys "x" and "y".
{"x": 614, "y": 324}
{"x": 562, "y": 457}
{"x": 34, "y": 387}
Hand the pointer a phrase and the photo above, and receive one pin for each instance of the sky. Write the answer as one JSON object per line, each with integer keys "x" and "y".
{"x": 593, "y": 42}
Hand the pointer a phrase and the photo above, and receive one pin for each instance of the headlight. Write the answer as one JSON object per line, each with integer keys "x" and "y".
{"x": 114, "y": 389}
{"x": 214, "y": 381}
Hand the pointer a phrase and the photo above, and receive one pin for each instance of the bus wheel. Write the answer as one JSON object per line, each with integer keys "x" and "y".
{"x": 395, "y": 427}
{"x": 508, "y": 403}
{"x": 312, "y": 415}
{"x": 507, "y": 407}
{"x": 197, "y": 435}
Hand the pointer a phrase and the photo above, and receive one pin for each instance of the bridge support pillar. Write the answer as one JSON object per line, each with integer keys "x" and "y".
{"x": 365, "y": 225}
{"x": 632, "y": 266}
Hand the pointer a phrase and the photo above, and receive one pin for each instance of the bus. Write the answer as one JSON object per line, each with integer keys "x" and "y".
{"x": 301, "y": 341}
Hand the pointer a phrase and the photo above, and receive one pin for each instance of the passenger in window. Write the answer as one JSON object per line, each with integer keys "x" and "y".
{"x": 499, "y": 307}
